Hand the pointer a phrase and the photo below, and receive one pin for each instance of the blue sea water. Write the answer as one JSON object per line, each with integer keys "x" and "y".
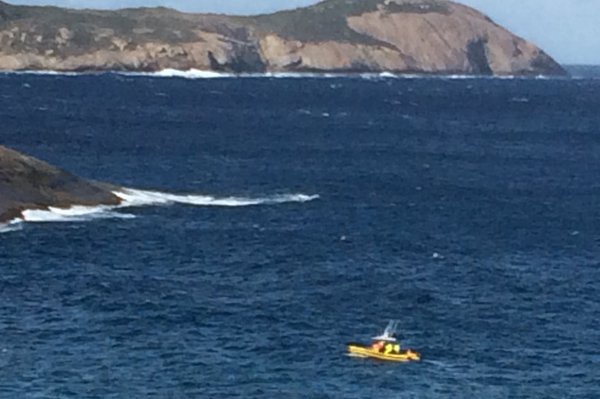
{"x": 465, "y": 208}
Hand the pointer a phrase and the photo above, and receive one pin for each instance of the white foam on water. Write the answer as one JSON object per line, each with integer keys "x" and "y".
{"x": 206, "y": 74}
{"x": 200, "y": 74}
{"x": 73, "y": 214}
{"x": 138, "y": 198}
{"x": 189, "y": 74}
{"x": 13, "y": 225}
{"x": 387, "y": 75}
{"x": 293, "y": 75}
{"x": 134, "y": 198}
{"x": 41, "y": 72}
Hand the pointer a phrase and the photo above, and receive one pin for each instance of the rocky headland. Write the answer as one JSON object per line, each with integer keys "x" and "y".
{"x": 28, "y": 183}
{"x": 346, "y": 36}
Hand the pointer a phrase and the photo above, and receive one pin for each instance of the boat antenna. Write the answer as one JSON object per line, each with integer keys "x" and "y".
{"x": 389, "y": 332}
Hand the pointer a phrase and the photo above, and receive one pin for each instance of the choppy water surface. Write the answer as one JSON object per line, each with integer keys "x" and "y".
{"x": 465, "y": 208}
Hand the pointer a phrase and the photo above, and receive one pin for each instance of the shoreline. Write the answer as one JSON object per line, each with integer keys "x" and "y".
{"x": 208, "y": 74}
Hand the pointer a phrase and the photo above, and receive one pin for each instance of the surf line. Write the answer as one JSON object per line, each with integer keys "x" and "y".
{"x": 132, "y": 198}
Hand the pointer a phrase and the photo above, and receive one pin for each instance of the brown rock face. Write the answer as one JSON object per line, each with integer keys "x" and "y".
{"x": 28, "y": 183}
{"x": 416, "y": 36}
{"x": 460, "y": 39}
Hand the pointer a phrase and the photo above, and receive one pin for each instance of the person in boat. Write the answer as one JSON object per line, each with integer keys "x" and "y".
{"x": 378, "y": 346}
{"x": 387, "y": 342}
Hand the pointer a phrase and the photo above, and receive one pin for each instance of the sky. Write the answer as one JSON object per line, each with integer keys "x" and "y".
{"x": 569, "y": 30}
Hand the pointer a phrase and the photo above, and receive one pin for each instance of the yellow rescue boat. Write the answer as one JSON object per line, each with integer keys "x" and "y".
{"x": 359, "y": 350}
{"x": 384, "y": 347}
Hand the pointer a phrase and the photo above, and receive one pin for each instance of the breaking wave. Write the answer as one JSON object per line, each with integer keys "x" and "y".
{"x": 190, "y": 74}
{"x": 73, "y": 214}
{"x": 204, "y": 74}
{"x": 14, "y": 225}
{"x": 199, "y": 74}
{"x": 132, "y": 198}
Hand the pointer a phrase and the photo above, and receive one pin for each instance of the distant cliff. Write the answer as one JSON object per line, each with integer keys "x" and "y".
{"x": 412, "y": 36}
{"x": 28, "y": 183}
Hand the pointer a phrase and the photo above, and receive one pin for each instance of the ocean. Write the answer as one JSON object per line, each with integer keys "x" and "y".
{"x": 273, "y": 219}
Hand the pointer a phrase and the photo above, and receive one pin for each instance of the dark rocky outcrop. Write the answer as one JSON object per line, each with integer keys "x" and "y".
{"x": 416, "y": 36}
{"x": 28, "y": 183}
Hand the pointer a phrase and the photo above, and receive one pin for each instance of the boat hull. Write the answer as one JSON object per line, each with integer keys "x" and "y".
{"x": 367, "y": 352}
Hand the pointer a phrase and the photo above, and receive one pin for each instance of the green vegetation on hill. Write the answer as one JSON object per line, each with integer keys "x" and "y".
{"x": 87, "y": 30}
{"x": 327, "y": 20}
